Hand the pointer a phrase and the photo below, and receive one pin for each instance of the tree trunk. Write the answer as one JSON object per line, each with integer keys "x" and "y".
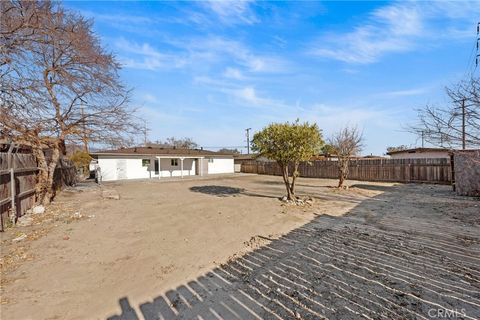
{"x": 340, "y": 181}
{"x": 342, "y": 171}
{"x": 286, "y": 180}
{"x": 42, "y": 177}
{"x": 63, "y": 147}
{"x": 45, "y": 179}
{"x": 49, "y": 187}
{"x": 294, "y": 178}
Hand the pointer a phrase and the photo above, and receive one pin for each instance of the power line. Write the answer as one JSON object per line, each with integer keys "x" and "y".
{"x": 477, "y": 55}
{"x": 474, "y": 56}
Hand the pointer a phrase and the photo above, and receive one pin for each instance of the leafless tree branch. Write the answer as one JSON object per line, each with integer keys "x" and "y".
{"x": 58, "y": 84}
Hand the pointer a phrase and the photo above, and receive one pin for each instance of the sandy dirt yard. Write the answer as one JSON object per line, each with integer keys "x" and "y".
{"x": 228, "y": 248}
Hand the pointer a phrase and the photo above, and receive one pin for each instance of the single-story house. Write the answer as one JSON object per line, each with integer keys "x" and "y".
{"x": 153, "y": 162}
{"x": 420, "y": 153}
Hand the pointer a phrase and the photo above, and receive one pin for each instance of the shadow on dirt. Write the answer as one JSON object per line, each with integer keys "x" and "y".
{"x": 219, "y": 191}
{"x": 407, "y": 262}
{"x": 224, "y": 191}
{"x": 371, "y": 187}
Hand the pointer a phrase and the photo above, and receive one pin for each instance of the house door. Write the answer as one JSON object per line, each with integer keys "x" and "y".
{"x": 156, "y": 167}
{"x": 121, "y": 169}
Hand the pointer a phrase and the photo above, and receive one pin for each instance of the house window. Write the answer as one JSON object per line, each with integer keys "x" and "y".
{"x": 210, "y": 160}
{"x": 174, "y": 162}
{"x": 145, "y": 162}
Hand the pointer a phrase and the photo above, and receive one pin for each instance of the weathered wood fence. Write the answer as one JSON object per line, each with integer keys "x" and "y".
{"x": 17, "y": 184}
{"x": 18, "y": 177}
{"x": 393, "y": 170}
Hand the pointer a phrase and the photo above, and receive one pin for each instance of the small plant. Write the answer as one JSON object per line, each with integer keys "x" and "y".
{"x": 82, "y": 160}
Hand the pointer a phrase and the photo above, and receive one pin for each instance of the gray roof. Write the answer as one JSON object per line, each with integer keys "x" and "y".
{"x": 156, "y": 151}
{"x": 419, "y": 150}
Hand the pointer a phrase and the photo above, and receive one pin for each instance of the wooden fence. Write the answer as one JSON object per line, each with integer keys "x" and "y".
{"x": 21, "y": 169}
{"x": 18, "y": 196}
{"x": 390, "y": 170}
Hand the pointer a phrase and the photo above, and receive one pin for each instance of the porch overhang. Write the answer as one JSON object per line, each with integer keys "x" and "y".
{"x": 180, "y": 157}
{"x": 181, "y": 162}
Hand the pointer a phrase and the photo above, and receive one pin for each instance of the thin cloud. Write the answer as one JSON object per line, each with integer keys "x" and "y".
{"x": 117, "y": 18}
{"x": 199, "y": 53}
{"x": 144, "y": 56}
{"x": 233, "y": 73}
{"x": 396, "y": 28}
{"x": 242, "y": 95}
{"x": 215, "y": 50}
{"x": 404, "y": 93}
{"x": 249, "y": 95}
{"x": 218, "y": 47}
{"x": 233, "y": 12}
{"x": 391, "y": 29}
{"x": 150, "y": 98}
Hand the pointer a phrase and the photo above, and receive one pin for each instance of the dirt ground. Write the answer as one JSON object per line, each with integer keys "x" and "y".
{"x": 227, "y": 248}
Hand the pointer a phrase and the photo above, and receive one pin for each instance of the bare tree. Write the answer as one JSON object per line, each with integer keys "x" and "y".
{"x": 18, "y": 24}
{"x": 347, "y": 142}
{"x": 397, "y": 148}
{"x": 456, "y": 125}
{"x": 172, "y": 142}
{"x": 229, "y": 150}
{"x": 184, "y": 143}
{"x": 58, "y": 84}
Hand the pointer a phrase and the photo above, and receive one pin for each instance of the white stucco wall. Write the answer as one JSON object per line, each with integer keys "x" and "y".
{"x": 108, "y": 169}
{"x": 111, "y": 167}
{"x": 220, "y": 165}
{"x": 420, "y": 155}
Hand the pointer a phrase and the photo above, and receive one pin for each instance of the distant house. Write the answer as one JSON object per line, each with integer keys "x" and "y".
{"x": 151, "y": 162}
{"x": 371, "y": 157}
{"x": 420, "y": 153}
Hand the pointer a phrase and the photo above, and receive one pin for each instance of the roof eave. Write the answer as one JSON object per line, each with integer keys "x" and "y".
{"x": 158, "y": 154}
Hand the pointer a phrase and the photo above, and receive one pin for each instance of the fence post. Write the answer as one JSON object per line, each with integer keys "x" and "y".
{"x": 12, "y": 191}
{"x": 452, "y": 171}
{"x": 11, "y": 166}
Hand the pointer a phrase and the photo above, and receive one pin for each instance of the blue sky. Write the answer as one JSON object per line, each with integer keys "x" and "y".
{"x": 208, "y": 70}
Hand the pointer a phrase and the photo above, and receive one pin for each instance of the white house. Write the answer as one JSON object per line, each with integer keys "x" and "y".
{"x": 420, "y": 153}
{"x": 153, "y": 162}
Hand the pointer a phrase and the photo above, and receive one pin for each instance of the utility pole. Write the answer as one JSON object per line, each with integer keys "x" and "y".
{"x": 477, "y": 55}
{"x": 464, "y": 115}
{"x": 248, "y": 139}
{"x": 463, "y": 124}
{"x": 423, "y": 138}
